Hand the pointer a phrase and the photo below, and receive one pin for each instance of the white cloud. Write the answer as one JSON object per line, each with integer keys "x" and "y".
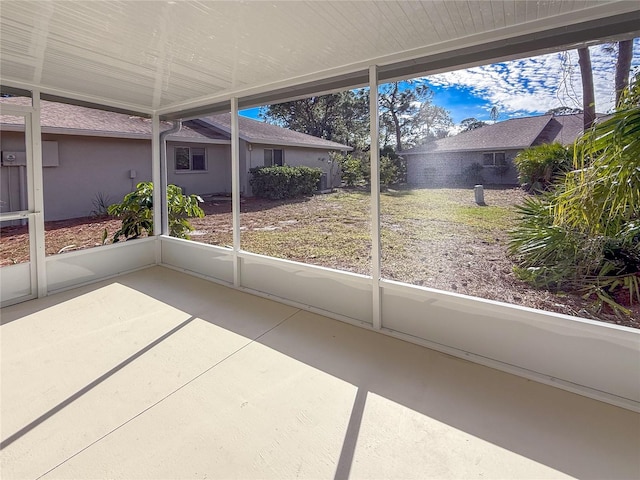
{"x": 537, "y": 84}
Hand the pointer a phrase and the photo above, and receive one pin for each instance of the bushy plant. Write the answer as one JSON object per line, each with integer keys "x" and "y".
{"x": 400, "y": 164}
{"x": 541, "y": 166}
{"x": 388, "y": 171}
{"x": 357, "y": 171}
{"x": 280, "y": 182}
{"x": 352, "y": 168}
{"x": 472, "y": 175}
{"x": 585, "y": 233}
{"x": 136, "y": 212}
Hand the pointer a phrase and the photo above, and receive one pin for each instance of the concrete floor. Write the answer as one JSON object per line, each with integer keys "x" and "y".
{"x": 160, "y": 375}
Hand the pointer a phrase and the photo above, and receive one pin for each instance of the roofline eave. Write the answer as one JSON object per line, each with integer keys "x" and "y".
{"x": 338, "y": 148}
{"x": 108, "y": 134}
{"x": 483, "y": 149}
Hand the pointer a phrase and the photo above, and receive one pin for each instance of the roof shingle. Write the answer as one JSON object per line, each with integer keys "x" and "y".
{"x": 513, "y": 134}
{"x": 254, "y": 131}
{"x": 65, "y": 118}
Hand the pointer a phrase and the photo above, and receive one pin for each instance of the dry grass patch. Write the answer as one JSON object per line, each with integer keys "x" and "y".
{"x": 435, "y": 238}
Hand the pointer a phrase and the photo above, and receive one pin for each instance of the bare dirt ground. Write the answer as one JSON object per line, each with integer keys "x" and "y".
{"x": 460, "y": 249}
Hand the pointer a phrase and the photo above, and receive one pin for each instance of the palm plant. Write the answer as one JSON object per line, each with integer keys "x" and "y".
{"x": 585, "y": 234}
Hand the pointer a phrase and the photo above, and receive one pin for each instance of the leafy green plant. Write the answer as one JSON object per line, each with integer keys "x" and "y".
{"x": 284, "y": 181}
{"x": 136, "y": 212}
{"x": 540, "y": 167}
{"x": 585, "y": 233}
{"x": 352, "y": 168}
{"x": 388, "y": 171}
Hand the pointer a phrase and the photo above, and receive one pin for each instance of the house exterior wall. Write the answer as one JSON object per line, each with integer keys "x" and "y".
{"x": 92, "y": 166}
{"x": 215, "y": 179}
{"x": 297, "y": 156}
{"x": 451, "y": 168}
{"x": 88, "y": 167}
{"x": 10, "y": 198}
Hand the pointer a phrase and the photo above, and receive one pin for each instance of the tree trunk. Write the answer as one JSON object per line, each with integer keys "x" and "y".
{"x": 623, "y": 67}
{"x": 396, "y": 124}
{"x": 588, "y": 96}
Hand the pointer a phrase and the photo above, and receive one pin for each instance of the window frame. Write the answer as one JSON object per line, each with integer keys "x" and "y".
{"x": 190, "y": 150}
{"x": 494, "y": 162}
{"x": 272, "y": 161}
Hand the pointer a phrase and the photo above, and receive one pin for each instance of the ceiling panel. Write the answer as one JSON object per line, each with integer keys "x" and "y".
{"x": 157, "y": 55}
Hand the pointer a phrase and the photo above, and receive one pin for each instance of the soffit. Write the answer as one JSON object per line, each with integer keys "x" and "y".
{"x": 164, "y": 56}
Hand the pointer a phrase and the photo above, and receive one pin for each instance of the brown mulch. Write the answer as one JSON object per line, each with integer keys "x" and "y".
{"x": 453, "y": 261}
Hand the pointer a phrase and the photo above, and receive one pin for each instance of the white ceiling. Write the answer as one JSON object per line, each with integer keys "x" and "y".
{"x": 166, "y": 56}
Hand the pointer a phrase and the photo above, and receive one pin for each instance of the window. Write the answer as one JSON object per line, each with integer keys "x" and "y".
{"x": 494, "y": 159}
{"x": 273, "y": 157}
{"x": 192, "y": 159}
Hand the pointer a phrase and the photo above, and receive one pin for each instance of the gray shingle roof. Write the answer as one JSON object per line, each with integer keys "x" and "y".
{"x": 70, "y": 119}
{"x": 254, "y": 131}
{"x": 513, "y": 134}
{"x": 63, "y": 118}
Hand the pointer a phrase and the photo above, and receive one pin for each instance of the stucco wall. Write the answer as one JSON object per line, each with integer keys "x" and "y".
{"x": 10, "y": 176}
{"x": 296, "y": 156}
{"x": 445, "y": 169}
{"x": 217, "y": 177}
{"x": 89, "y": 166}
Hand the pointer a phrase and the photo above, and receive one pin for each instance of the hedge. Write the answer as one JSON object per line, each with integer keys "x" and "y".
{"x": 280, "y": 182}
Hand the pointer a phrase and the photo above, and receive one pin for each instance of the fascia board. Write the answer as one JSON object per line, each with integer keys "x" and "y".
{"x": 97, "y": 133}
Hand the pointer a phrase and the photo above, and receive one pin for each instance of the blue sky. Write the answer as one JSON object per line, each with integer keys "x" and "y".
{"x": 528, "y": 86}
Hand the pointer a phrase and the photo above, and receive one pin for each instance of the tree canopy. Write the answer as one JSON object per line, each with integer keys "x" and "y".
{"x": 340, "y": 117}
{"x": 408, "y": 116}
{"x": 471, "y": 123}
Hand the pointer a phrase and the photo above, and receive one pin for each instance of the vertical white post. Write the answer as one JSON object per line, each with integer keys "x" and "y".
{"x": 235, "y": 190}
{"x": 157, "y": 184}
{"x": 37, "y": 207}
{"x": 375, "y": 195}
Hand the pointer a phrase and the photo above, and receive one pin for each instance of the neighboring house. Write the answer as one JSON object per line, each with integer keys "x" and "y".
{"x": 488, "y": 150}
{"x": 88, "y": 154}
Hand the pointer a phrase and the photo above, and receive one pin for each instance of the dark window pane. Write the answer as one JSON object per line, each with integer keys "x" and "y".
{"x": 278, "y": 157}
{"x": 500, "y": 159}
{"x": 198, "y": 159}
{"x": 268, "y": 157}
{"x": 487, "y": 159}
{"x": 182, "y": 158}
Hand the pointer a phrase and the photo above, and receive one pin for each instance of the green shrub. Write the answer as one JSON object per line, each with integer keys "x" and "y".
{"x": 472, "y": 175}
{"x": 388, "y": 171}
{"x": 585, "y": 232}
{"x": 357, "y": 171}
{"x": 281, "y": 182}
{"x": 136, "y": 212}
{"x": 352, "y": 168}
{"x": 542, "y": 166}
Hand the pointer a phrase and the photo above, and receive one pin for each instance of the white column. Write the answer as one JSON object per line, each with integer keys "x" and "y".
{"x": 375, "y": 194}
{"x": 37, "y": 205}
{"x": 158, "y": 201}
{"x": 235, "y": 190}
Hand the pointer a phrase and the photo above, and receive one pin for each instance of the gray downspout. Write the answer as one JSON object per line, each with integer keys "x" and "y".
{"x": 177, "y": 126}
